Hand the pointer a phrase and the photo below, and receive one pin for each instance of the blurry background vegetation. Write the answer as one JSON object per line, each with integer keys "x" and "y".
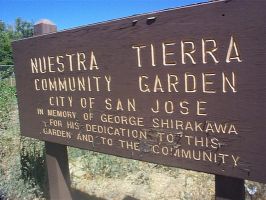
{"x": 22, "y": 166}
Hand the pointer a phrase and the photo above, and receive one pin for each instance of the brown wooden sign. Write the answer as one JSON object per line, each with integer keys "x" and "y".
{"x": 184, "y": 87}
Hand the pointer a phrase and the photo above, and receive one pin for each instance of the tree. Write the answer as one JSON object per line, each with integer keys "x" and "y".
{"x": 2, "y": 26}
{"x": 22, "y": 29}
{"x": 5, "y": 49}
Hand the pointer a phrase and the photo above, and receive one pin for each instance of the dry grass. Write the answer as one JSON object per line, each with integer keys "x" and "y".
{"x": 147, "y": 182}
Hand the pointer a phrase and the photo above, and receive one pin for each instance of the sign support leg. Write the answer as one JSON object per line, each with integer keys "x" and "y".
{"x": 58, "y": 171}
{"x": 228, "y": 188}
{"x": 56, "y": 154}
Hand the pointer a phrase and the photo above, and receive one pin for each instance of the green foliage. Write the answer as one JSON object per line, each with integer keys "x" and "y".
{"x": 12, "y": 171}
{"x": 5, "y": 48}
{"x": 22, "y": 29}
{"x": 13, "y": 185}
{"x": 22, "y": 167}
{"x": 2, "y": 26}
{"x": 74, "y": 153}
{"x": 6, "y": 71}
{"x": 7, "y": 97}
{"x": 33, "y": 167}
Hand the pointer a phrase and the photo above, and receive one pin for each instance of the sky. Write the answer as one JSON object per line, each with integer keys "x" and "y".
{"x": 68, "y": 14}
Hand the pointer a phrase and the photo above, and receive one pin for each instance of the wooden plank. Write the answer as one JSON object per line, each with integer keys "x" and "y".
{"x": 58, "y": 171}
{"x": 55, "y": 154}
{"x": 98, "y": 87}
{"x": 228, "y": 188}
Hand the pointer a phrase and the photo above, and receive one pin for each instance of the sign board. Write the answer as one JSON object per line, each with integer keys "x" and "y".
{"x": 183, "y": 87}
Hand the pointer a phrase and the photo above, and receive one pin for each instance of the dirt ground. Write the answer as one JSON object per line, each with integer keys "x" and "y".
{"x": 147, "y": 184}
{"x": 151, "y": 183}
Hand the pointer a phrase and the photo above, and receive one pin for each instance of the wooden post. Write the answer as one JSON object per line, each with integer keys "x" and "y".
{"x": 58, "y": 171}
{"x": 228, "y": 188}
{"x": 56, "y": 154}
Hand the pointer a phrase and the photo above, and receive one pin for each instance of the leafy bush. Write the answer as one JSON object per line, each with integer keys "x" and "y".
{"x": 7, "y": 98}
{"x": 33, "y": 166}
{"x": 6, "y": 71}
{"x": 22, "y": 167}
